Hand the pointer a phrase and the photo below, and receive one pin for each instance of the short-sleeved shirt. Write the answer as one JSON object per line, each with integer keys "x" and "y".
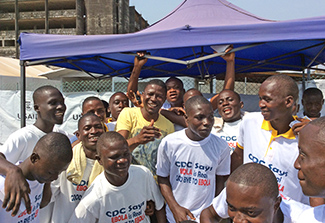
{"x": 262, "y": 144}
{"x": 104, "y": 202}
{"x": 35, "y": 195}
{"x": 131, "y": 119}
{"x": 192, "y": 167}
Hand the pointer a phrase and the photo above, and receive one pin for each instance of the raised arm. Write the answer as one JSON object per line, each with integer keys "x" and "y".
{"x": 180, "y": 213}
{"x": 132, "y": 87}
{"x": 16, "y": 186}
{"x": 229, "y": 83}
{"x": 175, "y": 117}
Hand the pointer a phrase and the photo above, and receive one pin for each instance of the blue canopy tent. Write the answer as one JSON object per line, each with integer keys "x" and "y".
{"x": 180, "y": 45}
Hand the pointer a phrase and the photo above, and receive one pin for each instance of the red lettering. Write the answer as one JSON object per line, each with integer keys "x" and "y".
{"x": 281, "y": 189}
{"x": 22, "y": 214}
{"x": 185, "y": 171}
{"x": 139, "y": 219}
{"x": 36, "y": 213}
{"x": 204, "y": 182}
{"x": 82, "y": 188}
{"x": 119, "y": 218}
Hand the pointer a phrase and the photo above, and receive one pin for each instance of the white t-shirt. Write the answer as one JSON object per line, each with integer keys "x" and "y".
{"x": 192, "y": 167}
{"x": 35, "y": 195}
{"x": 229, "y": 133}
{"x": 66, "y": 195}
{"x": 104, "y": 202}
{"x": 21, "y": 143}
{"x": 278, "y": 152}
{"x": 291, "y": 209}
{"x": 313, "y": 215}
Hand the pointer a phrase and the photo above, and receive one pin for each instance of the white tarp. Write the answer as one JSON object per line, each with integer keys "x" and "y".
{"x": 10, "y": 107}
{"x": 10, "y": 110}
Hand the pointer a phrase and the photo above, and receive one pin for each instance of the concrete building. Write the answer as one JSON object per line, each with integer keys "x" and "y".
{"x": 69, "y": 17}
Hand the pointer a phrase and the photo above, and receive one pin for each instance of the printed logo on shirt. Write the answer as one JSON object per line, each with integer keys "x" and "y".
{"x": 277, "y": 172}
{"x": 130, "y": 214}
{"x": 193, "y": 173}
{"x": 82, "y": 186}
{"x": 231, "y": 140}
{"x": 34, "y": 213}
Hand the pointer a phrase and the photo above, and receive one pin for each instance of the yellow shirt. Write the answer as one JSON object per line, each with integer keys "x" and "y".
{"x": 131, "y": 119}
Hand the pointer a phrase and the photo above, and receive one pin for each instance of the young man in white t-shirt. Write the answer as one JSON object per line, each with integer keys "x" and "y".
{"x": 71, "y": 185}
{"x": 192, "y": 164}
{"x": 121, "y": 192}
{"x": 252, "y": 195}
{"x": 311, "y": 167}
{"x": 51, "y": 155}
{"x": 229, "y": 107}
{"x": 50, "y": 108}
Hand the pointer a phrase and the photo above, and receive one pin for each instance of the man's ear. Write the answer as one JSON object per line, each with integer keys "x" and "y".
{"x": 289, "y": 101}
{"x": 78, "y": 134}
{"x": 241, "y": 104}
{"x": 34, "y": 157}
{"x": 322, "y": 101}
{"x": 36, "y": 107}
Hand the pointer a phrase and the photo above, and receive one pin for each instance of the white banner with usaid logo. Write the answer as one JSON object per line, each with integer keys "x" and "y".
{"x": 10, "y": 110}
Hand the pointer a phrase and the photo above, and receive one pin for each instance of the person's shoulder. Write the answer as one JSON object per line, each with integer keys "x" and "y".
{"x": 218, "y": 142}
{"x": 174, "y": 137}
{"x": 141, "y": 172}
{"x": 252, "y": 117}
{"x": 313, "y": 215}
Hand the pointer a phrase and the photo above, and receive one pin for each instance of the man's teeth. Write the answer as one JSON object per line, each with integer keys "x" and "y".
{"x": 227, "y": 111}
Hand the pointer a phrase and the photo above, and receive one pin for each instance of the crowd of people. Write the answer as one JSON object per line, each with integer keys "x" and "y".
{"x": 169, "y": 162}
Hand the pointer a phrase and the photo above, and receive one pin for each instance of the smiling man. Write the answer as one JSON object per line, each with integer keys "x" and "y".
{"x": 71, "y": 185}
{"x": 267, "y": 138}
{"x": 311, "y": 167}
{"x": 229, "y": 107}
{"x": 121, "y": 192}
{"x": 50, "y": 108}
{"x": 144, "y": 127}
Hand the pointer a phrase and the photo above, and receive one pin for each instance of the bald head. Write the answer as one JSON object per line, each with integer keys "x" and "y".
{"x": 41, "y": 91}
{"x": 194, "y": 101}
{"x": 191, "y": 93}
{"x": 55, "y": 146}
{"x": 108, "y": 138}
{"x": 285, "y": 84}
{"x": 319, "y": 135}
{"x": 254, "y": 174}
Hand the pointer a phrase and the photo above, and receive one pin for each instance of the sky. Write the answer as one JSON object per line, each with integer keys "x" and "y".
{"x": 153, "y": 10}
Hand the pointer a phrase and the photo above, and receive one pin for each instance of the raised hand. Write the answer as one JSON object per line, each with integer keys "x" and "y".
{"x": 133, "y": 98}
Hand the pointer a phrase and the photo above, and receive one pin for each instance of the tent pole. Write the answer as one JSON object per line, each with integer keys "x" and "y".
{"x": 303, "y": 73}
{"x": 22, "y": 94}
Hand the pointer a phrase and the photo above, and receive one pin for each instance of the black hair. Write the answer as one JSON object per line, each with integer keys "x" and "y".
{"x": 254, "y": 174}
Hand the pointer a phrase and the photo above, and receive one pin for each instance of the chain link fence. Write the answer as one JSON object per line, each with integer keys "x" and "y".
{"x": 248, "y": 86}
